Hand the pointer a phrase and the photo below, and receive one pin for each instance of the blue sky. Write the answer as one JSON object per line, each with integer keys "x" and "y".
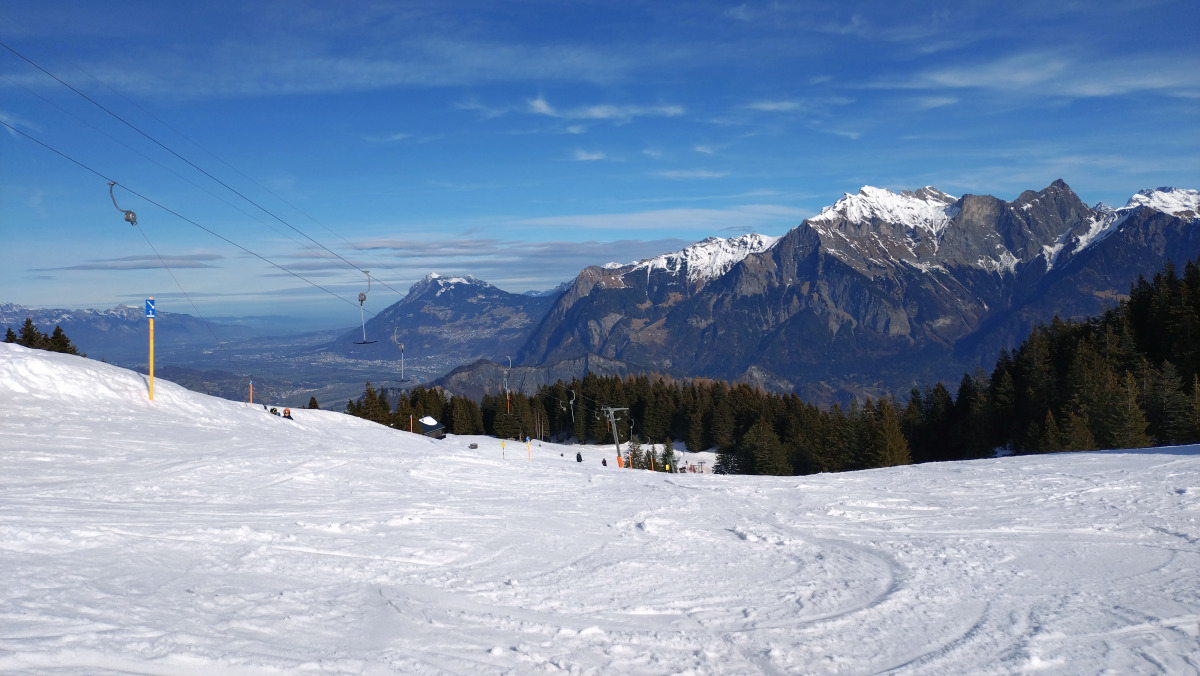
{"x": 522, "y": 141}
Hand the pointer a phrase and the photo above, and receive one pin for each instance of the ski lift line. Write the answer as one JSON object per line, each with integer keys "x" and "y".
{"x": 218, "y": 158}
{"x": 175, "y": 213}
{"x": 180, "y": 157}
{"x": 161, "y": 165}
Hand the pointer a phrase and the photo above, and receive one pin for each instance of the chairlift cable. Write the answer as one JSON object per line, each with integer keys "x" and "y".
{"x": 239, "y": 172}
{"x": 174, "y": 213}
{"x": 177, "y": 155}
{"x": 160, "y": 165}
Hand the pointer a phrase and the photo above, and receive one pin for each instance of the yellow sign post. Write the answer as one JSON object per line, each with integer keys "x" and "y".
{"x": 150, "y": 316}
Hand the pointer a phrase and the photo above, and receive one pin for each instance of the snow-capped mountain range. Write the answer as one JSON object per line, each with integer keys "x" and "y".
{"x": 884, "y": 288}
{"x": 881, "y": 287}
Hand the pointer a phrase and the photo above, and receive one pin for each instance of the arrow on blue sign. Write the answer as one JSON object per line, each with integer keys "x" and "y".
{"x": 149, "y": 308}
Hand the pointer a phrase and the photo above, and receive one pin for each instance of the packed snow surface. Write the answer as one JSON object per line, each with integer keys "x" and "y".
{"x": 193, "y": 535}
{"x": 928, "y": 208}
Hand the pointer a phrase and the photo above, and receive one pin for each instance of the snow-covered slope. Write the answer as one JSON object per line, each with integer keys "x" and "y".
{"x": 1175, "y": 201}
{"x": 705, "y": 260}
{"x": 193, "y": 535}
{"x": 927, "y": 209}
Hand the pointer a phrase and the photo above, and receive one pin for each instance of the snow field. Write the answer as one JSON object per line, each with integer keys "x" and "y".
{"x": 193, "y": 535}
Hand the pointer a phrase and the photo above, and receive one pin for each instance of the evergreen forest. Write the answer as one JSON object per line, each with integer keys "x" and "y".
{"x": 1127, "y": 379}
{"x": 31, "y": 336}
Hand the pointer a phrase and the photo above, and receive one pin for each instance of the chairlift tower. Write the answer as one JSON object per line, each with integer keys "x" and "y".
{"x": 362, "y": 298}
{"x": 612, "y": 421}
{"x": 396, "y": 340}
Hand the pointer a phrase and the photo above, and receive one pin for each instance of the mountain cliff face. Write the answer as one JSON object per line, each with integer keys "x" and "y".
{"x": 879, "y": 291}
{"x": 620, "y": 311}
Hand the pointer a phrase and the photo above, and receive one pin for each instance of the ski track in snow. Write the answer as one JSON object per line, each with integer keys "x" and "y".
{"x": 194, "y": 535}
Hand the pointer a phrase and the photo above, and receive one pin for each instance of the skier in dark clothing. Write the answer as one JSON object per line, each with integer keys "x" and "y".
{"x": 604, "y": 461}
{"x": 578, "y": 457}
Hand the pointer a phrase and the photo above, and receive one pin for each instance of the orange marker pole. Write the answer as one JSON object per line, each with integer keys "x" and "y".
{"x": 251, "y": 392}
{"x": 528, "y": 450}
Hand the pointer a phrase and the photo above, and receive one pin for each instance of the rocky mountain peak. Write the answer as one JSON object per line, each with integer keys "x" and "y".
{"x": 437, "y": 284}
{"x": 927, "y": 209}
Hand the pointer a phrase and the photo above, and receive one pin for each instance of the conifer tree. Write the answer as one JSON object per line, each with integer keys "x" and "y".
{"x": 30, "y": 336}
{"x": 695, "y": 434}
{"x": 58, "y": 342}
{"x": 634, "y": 450}
{"x": 9, "y": 336}
{"x": 1126, "y": 423}
{"x": 886, "y": 445}
{"x": 1077, "y": 436}
{"x": 1050, "y": 440}
{"x": 762, "y": 450}
{"x": 1196, "y": 406}
{"x": 312, "y": 404}
{"x": 1167, "y": 407}
{"x": 666, "y": 459}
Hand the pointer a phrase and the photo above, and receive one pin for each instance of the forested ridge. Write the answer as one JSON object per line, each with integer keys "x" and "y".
{"x": 1127, "y": 379}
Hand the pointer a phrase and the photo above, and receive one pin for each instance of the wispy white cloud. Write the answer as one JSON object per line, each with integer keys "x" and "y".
{"x": 707, "y": 150}
{"x": 931, "y": 102}
{"x": 141, "y": 263}
{"x": 692, "y": 173}
{"x": 774, "y": 106}
{"x": 774, "y": 216}
{"x": 513, "y": 265}
{"x": 741, "y": 13}
{"x": 387, "y": 138}
{"x": 542, "y": 107}
{"x": 1062, "y": 73}
{"x": 486, "y": 111}
{"x": 585, "y": 156}
{"x": 620, "y": 113}
{"x": 17, "y": 121}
